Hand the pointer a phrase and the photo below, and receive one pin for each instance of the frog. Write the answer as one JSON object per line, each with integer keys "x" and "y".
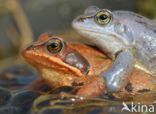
{"x": 127, "y": 38}
{"x": 61, "y": 65}
{"x": 57, "y": 68}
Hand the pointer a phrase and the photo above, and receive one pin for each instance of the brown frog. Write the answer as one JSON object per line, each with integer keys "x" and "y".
{"x": 72, "y": 64}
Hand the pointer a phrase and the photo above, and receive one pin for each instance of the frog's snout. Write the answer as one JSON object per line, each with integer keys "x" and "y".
{"x": 80, "y": 19}
{"x": 29, "y": 47}
{"x": 26, "y": 50}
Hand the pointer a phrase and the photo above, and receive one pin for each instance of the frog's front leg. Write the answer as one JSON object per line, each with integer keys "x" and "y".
{"x": 117, "y": 76}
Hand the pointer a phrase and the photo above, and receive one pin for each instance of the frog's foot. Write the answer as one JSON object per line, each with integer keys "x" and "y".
{"x": 94, "y": 87}
{"x": 118, "y": 75}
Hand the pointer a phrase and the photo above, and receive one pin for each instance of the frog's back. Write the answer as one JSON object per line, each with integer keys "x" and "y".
{"x": 146, "y": 51}
{"x": 144, "y": 35}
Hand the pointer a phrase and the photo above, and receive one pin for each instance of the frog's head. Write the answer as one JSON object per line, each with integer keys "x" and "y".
{"x": 103, "y": 28}
{"x": 58, "y": 63}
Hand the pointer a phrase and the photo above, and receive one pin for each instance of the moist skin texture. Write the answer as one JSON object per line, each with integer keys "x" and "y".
{"x": 67, "y": 67}
{"x": 129, "y": 39}
{"x": 56, "y": 73}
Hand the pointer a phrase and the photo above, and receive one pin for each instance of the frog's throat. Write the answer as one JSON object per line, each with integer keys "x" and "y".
{"x": 91, "y": 33}
{"x": 56, "y": 78}
{"x": 46, "y": 62}
{"x": 108, "y": 43}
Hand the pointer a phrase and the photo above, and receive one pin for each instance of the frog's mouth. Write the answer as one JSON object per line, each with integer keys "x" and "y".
{"x": 100, "y": 35}
{"x": 95, "y": 33}
{"x": 108, "y": 42}
{"x": 70, "y": 61}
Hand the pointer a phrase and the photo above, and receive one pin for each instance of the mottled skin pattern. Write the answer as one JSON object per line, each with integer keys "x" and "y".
{"x": 129, "y": 39}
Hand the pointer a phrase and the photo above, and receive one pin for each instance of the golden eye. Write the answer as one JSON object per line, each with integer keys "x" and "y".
{"x": 103, "y": 17}
{"x": 54, "y": 45}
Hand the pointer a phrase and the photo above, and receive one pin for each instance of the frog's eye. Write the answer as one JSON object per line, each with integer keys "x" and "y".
{"x": 103, "y": 17}
{"x": 54, "y": 45}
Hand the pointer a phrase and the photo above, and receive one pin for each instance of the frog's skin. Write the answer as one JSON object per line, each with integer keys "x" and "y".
{"x": 67, "y": 67}
{"x": 128, "y": 38}
{"x": 57, "y": 73}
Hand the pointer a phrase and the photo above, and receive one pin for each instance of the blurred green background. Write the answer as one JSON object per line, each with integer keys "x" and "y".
{"x": 22, "y": 21}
